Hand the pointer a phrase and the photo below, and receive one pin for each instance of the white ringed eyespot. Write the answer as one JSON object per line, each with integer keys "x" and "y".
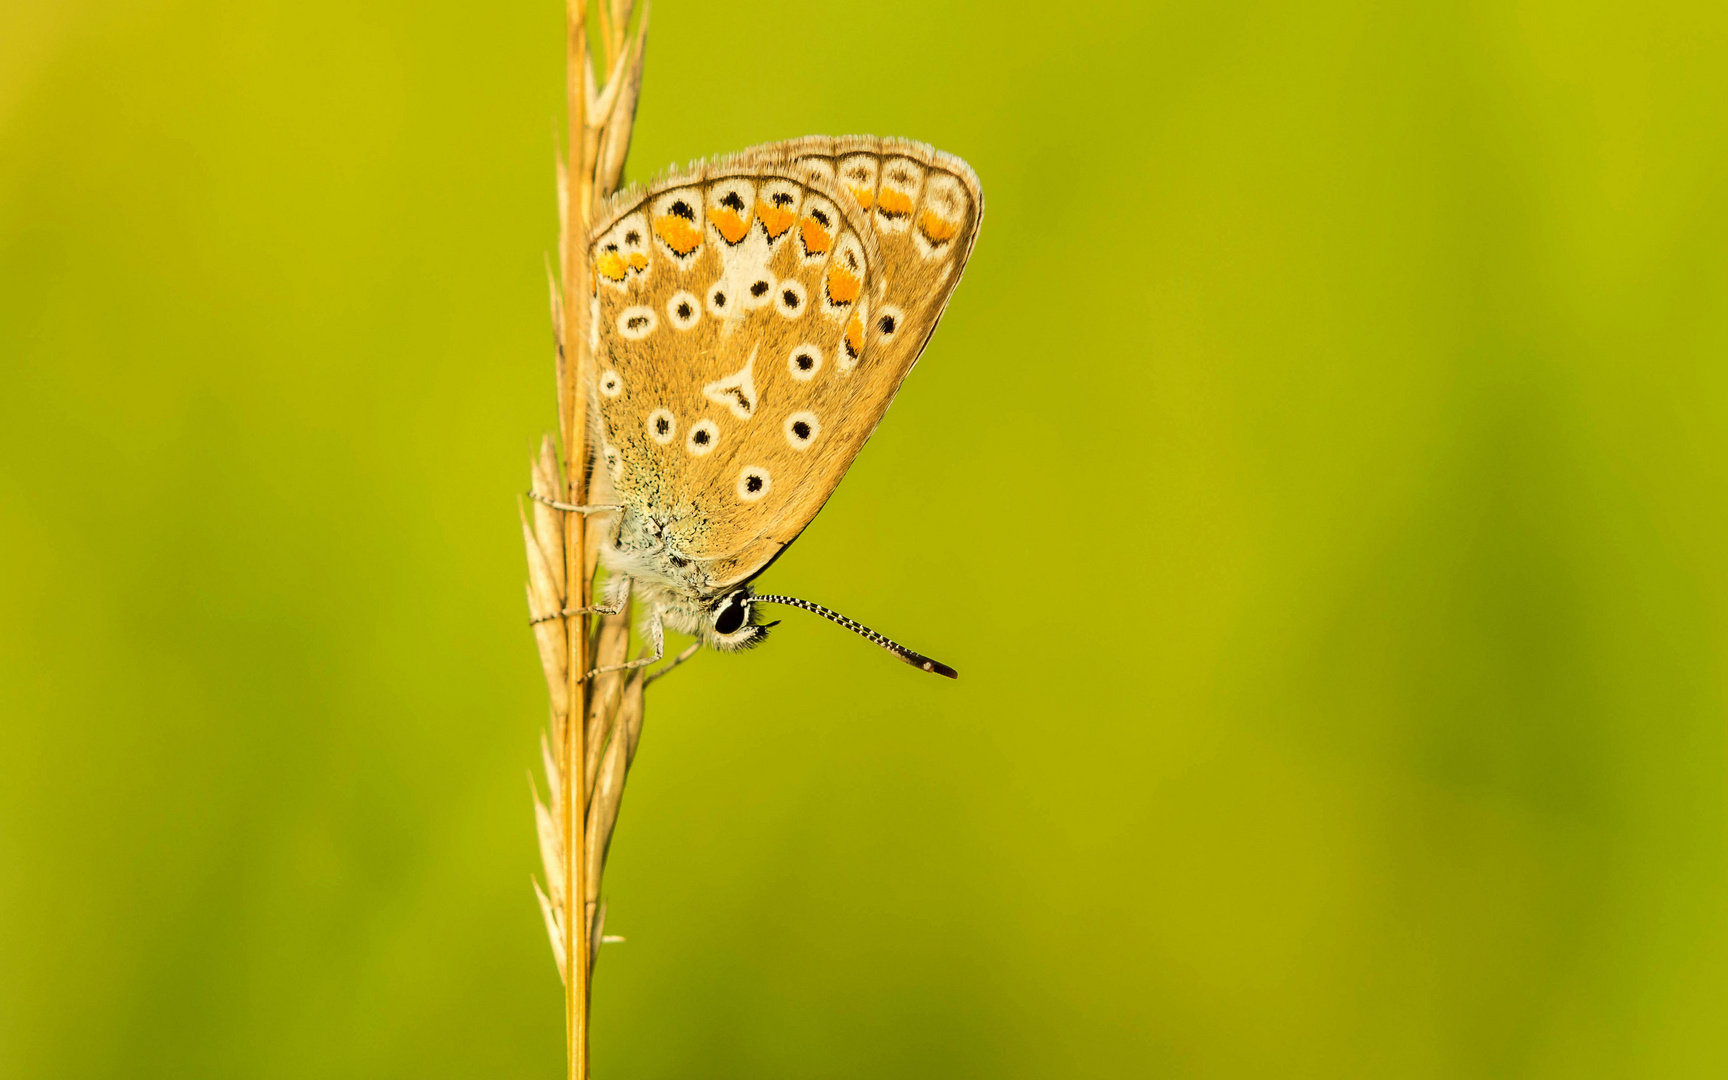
{"x": 753, "y": 483}
{"x": 684, "y": 310}
{"x": 887, "y": 323}
{"x": 637, "y": 322}
{"x": 805, "y": 362}
{"x": 720, "y": 301}
{"x": 704, "y": 436}
{"x": 611, "y": 383}
{"x": 662, "y": 426}
{"x": 791, "y": 298}
{"x": 802, "y": 429}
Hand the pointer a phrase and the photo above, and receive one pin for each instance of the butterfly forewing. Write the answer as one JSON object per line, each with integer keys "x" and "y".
{"x": 924, "y": 207}
{"x": 752, "y": 321}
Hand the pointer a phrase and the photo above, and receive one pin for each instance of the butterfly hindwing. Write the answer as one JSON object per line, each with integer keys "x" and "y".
{"x": 730, "y": 317}
{"x": 753, "y": 320}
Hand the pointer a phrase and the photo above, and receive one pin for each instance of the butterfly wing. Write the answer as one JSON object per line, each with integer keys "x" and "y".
{"x": 747, "y": 342}
{"x": 925, "y": 207}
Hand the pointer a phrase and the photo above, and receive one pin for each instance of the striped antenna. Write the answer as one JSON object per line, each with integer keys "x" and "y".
{"x": 917, "y": 660}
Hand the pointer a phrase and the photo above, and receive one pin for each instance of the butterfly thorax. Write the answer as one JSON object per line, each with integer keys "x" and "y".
{"x": 645, "y": 547}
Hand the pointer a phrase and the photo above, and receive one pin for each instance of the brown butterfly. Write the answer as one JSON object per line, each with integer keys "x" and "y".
{"x": 752, "y": 320}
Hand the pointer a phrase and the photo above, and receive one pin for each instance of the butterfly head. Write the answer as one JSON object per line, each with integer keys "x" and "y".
{"x": 731, "y": 622}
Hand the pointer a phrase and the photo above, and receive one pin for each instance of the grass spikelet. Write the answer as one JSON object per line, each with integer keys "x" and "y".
{"x": 595, "y": 724}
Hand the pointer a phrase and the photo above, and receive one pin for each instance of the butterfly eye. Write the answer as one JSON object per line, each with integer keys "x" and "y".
{"x": 611, "y": 384}
{"x": 759, "y": 289}
{"x": 731, "y": 617}
{"x": 662, "y": 425}
{"x": 792, "y": 298}
{"x": 717, "y": 300}
{"x": 805, "y": 362}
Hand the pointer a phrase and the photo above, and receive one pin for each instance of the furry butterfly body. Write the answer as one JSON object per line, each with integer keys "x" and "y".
{"x": 752, "y": 320}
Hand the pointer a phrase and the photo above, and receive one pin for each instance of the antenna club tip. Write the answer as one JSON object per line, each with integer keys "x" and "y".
{"x": 939, "y": 668}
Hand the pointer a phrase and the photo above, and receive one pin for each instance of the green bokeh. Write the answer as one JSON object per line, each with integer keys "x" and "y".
{"x": 1318, "y": 482}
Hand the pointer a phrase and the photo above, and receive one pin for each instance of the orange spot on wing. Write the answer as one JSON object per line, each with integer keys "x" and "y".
{"x": 817, "y": 240}
{"x": 638, "y": 261}
{"x": 774, "y": 219}
{"x": 936, "y": 228}
{"x": 894, "y": 203}
{"x": 731, "y": 226}
{"x": 854, "y": 337}
{"x": 610, "y": 265}
{"x": 863, "y": 194}
{"x": 842, "y": 285}
{"x": 681, "y": 236}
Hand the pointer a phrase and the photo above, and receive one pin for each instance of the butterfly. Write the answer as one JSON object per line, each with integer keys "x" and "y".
{"x": 751, "y": 321}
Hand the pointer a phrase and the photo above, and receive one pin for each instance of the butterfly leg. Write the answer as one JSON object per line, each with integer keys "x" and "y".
{"x": 690, "y": 651}
{"x": 617, "y": 595}
{"x": 597, "y": 609}
{"x": 656, "y": 637}
{"x": 597, "y": 508}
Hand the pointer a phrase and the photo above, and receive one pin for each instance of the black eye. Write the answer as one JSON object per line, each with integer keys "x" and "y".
{"x": 662, "y": 425}
{"x": 790, "y": 297}
{"x": 886, "y": 324}
{"x": 804, "y": 362}
{"x": 719, "y": 299}
{"x": 753, "y": 484}
{"x": 684, "y": 310}
{"x": 731, "y": 617}
{"x": 801, "y": 429}
{"x": 701, "y": 437}
{"x": 759, "y": 288}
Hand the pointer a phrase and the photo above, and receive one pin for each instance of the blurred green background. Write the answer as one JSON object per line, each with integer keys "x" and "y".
{"x": 1318, "y": 481}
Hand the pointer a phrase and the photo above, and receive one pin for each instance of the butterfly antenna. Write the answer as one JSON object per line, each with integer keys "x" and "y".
{"x": 917, "y": 660}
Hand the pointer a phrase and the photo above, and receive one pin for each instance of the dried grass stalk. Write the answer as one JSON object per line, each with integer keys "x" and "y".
{"x": 585, "y": 763}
